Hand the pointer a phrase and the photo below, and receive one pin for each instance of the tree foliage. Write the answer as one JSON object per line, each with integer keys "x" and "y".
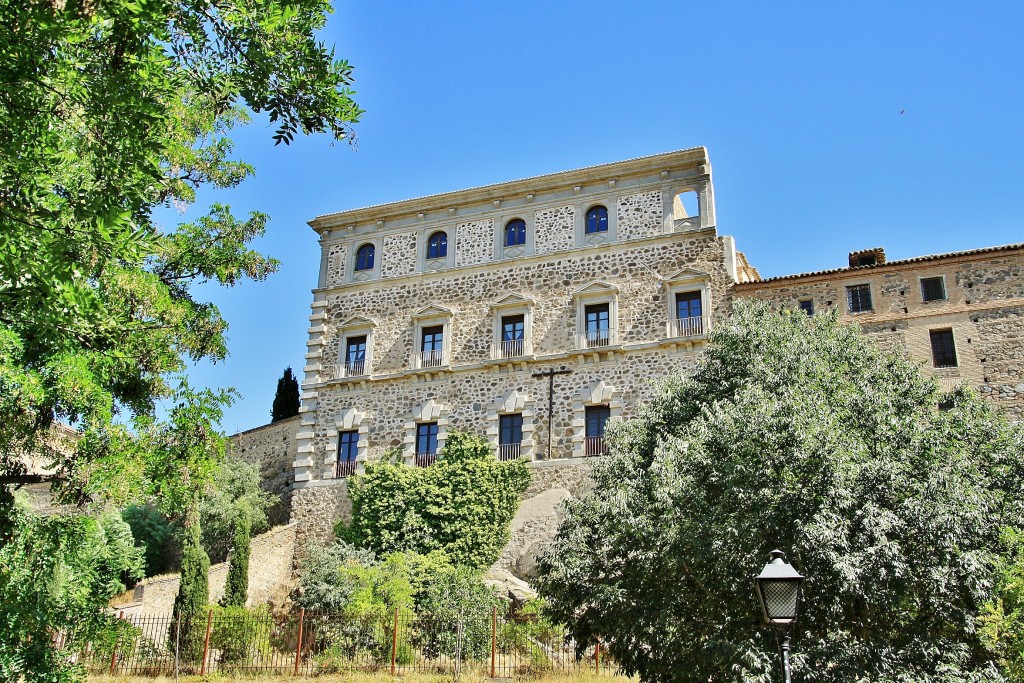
{"x": 236, "y": 587}
{"x": 1002, "y": 619}
{"x": 793, "y": 432}
{"x": 190, "y": 604}
{"x": 286, "y": 399}
{"x": 234, "y": 492}
{"x": 153, "y": 533}
{"x": 462, "y": 505}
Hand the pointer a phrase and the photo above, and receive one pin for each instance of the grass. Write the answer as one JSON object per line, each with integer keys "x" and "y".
{"x": 469, "y": 676}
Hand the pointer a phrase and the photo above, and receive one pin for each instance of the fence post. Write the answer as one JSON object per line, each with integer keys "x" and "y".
{"x": 206, "y": 643}
{"x": 117, "y": 639}
{"x": 394, "y": 644}
{"x": 597, "y": 657}
{"x": 494, "y": 636}
{"x": 298, "y": 646}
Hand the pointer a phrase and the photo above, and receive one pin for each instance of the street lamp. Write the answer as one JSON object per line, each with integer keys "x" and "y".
{"x": 778, "y": 590}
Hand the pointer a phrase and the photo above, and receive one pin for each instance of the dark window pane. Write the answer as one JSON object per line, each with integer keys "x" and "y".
{"x": 858, "y": 298}
{"x": 433, "y": 338}
{"x": 513, "y": 327}
{"x": 943, "y": 349}
{"x": 598, "y": 324}
{"x": 932, "y": 289}
{"x": 596, "y": 417}
{"x": 437, "y": 245}
{"x": 515, "y": 233}
{"x": 688, "y": 305}
{"x": 807, "y": 306}
{"x": 426, "y": 444}
{"x": 597, "y": 220}
{"x": 348, "y": 451}
{"x": 355, "y": 348}
{"x": 364, "y": 257}
{"x": 510, "y": 429}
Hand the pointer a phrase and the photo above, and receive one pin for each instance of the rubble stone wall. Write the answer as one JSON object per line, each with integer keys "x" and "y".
{"x": 272, "y": 448}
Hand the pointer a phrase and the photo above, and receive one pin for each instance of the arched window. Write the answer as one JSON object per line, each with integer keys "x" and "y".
{"x": 364, "y": 257}
{"x": 437, "y": 245}
{"x": 597, "y": 220}
{"x": 515, "y": 233}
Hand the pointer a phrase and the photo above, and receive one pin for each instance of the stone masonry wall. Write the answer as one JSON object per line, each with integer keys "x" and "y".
{"x": 336, "y": 264}
{"x": 473, "y": 242}
{"x": 554, "y": 229}
{"x": 639, "y": 215}
{"x": 272, "y": 447}
{"x": 398, "y": 255}
{"x": 316, "y": 509}
{"x": 984, "y": 308}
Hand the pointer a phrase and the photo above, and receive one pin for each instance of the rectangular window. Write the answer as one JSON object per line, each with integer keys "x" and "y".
{"x": 355, "y": 355}
{"x": 432, "y": 346}
{"x": 943, "y": 349}
{"x": 348, "y": 450}
{"x": 933, "y": 289}
{"x": 426, "y": 444}
{"x": 807, "y": 306}
{"x": 510, "y": 436}
{"x": 513, "y": 335}
{"x": 689, "y": 311}
{"x": 598, "y": 322}
{"x": 596, "y": 417}
{"x": 858, "y": 298}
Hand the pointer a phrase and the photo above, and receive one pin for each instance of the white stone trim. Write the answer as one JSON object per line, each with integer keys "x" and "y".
{"x": 529, "y": 249}
{"x": 425, "y": 265}
{"x": 597, "y": 292}
{"x": 610, "y": 203}
{"x": 356, "y": 326}
{"x": 594, "y": 394}
{"x": 511, "y": 402}
{"x": 432, "y": 316}
{"x": 512, "y": 304}
{"x": 347, "y": 420}
{"x": 350, "y": 265}
{"x": 687, "y": 280}
{"x": 428, "y": 411}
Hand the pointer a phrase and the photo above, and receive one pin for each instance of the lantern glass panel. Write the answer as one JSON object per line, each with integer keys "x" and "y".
{"x": 780, "y": 598}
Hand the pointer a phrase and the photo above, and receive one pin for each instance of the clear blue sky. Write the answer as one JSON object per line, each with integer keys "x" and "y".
{"x": 798, "y": 104}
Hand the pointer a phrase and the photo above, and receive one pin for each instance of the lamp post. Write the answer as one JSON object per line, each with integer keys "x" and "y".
{"x": 778, "y": 591}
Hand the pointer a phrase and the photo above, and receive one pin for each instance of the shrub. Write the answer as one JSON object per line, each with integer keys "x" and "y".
{"x": 155, "y": 534}
{"x": 236, "y": 588}
{"x": 242, "y": 636}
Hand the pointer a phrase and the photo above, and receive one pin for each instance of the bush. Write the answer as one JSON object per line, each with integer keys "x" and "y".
{"x": 155, "y": 534}
{"x": 236, "y": 491}
{"x": 456, "y": 597}
{"x": 242, "y": 636}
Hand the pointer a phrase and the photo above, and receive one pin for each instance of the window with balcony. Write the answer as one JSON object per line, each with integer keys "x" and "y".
{"x": 426, "y": 444}
{"x": 943, "y": 349}
{"x": 432, "y": 346}
{"x": 858, "y": 298}
{"x": 348, "y": 451}
{"x": 354, "y": 363}
{"x": 933, "y": 289}
{"x": 598, "y": 325}
{"x": 513, "y": 336}
{"x": 510, "y": 436}
{"x": 595, "y": 420}
{"x": 689, "y": 320}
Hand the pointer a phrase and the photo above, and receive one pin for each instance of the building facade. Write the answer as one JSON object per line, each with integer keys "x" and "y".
{"x": 959, "y": 315}
{"x": 534, "y": 312}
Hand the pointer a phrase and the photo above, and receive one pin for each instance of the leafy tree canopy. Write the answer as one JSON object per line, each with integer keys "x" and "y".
{"x": 462, "y": 505}
{"x": 793, "y": 432}
{"x": 235, "y": 493}
{"x": 286, "y": 399}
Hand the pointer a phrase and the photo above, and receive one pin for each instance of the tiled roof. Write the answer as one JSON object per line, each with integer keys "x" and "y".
{"x": 888, "y": 264}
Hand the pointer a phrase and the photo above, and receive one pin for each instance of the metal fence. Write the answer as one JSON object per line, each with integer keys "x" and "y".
{"x": 309, "y": 644}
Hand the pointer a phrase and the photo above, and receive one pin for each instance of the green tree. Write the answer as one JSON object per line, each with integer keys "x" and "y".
{"x": 1002, "y": 620}
{"x": 190, "y": 604}
{"x": 236, "y": 588}
{"x": 286, "y": 399}
{"x": 235, "y": 491}
{"x": 153, "y": 533}
{"x": 793, "y": 432}
{"x": 462, "y": 505}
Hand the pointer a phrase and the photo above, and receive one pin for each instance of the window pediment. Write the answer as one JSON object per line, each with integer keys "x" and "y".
{"x": 687, "y": 275}
{"x": 356, "y": 322}
{"x": 512, "y": 300}
{"x": 597, "y": 288}
{"x": 433, "y": 311}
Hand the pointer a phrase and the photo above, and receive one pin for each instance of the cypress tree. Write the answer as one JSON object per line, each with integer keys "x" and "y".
{"x": 286, "y": 400}
{"x": 194, "y": 589}
{"x": 236, "y": 588}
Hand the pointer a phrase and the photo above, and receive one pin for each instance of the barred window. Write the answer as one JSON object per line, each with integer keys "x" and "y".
{"x": 858, "y": 298}
{"x": 943, "y": 349}
{"x": 933, "y": 289}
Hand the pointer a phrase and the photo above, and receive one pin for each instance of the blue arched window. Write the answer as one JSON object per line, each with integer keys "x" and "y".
{"x": 597, "y": 220}
{"x": 437, "y": 245}
{"x": 364, "y": 257}
{"x": 515, "y": 232}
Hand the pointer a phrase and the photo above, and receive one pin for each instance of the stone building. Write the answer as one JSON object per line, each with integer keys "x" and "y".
{"x": 961, "y": 314}
{"x": 533, "y": 312}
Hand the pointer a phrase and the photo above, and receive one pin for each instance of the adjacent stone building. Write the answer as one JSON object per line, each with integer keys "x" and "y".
{"x": 533, "y": 312}
{"x": 961, "y": 314}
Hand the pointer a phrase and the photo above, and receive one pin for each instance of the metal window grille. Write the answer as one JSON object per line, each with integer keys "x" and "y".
{"x": 858, "y": 298}
{"x": 943, "y": 349}
{"x": 688, "y": 327}
{"x": 932, "y": 289}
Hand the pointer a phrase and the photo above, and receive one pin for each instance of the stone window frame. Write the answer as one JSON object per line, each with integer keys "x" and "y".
{"x": 610, "y": 203}
{"x": 597, "y": 292}
{"x": 351, "y": 274}
{"x": 425, "y": 265}
{"x": 594, "y": 394}
{"x": 509, "y": 403}
{"x": 432, "y": 316}
{"x": 512, "y": 304}
{"x": 687, "y": 280}
{"x": 846, "y": 296}
{"x": 520, "y": 251}
{"x": 705, "y": 217}
{"x": 945, "y": 290}
{"x": 356, "y": 326}
{"x": 427, "y": 411}
{"x": 348, "y": 420}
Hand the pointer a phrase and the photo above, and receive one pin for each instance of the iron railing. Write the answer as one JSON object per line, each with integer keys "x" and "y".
{"x": 509, "y": 349}
{"x": 430, "y": 359}
{"x": 345, "y": 468}
{"x": 351, "y": 368}
{"x": 592, "y": 339}
{"x": 594, "y": 445}
{"x": 425, "y": 459}
{"x": 687, "y": 327}
{"x": 509, "y": 451}
{"x": 302, "y": 643}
